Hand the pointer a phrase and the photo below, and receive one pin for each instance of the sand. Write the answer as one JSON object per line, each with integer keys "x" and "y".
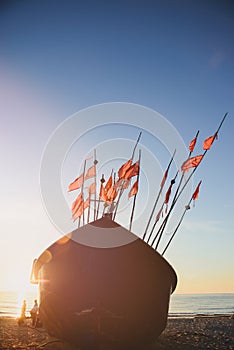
{"x": 185, "y": 334}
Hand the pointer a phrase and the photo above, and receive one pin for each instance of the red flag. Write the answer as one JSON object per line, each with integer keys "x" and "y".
{"x": 191, "y": 163}
{"x": 132, "y": 171}
{"x": 192, "y": 144}
{"x": 91, "y": 172}
{"x": 208, "y": 142}
{"x": 134, "y": 189}
{"x": 122, "y": 170}
{"x": 77, "y": 183}
{"x": 167, "y": 197}
{"x": 164, "y": 178}
{"x": 195, "y": 194}
{"x": 109, "y": 183}
{"x": 92, "y": 188}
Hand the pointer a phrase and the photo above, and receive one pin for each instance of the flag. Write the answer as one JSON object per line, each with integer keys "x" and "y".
{"x": 92, "y": 188}
{"x": 134, "y": 189}
{"x": 208, "y": 142}
{"x": 132, "y": 171}
{"x": 103, "y": 195}
{"x": 77, "y": 183}
{"x": 109, "y": 183}
{"x": 111, "y": 194}
{"x": 195, "y": 194}
{"x": 77, "y": 202}
{"x": 91, "y": 172}
{"x": 164, "y": 178}
{"x": 159, "y": 214}
{"x": 192, "y": 144}
{"x": 167, "y": 197}
{"x": 122, "y": 170}
{"x": 191, "y": 163}
{"x": 87, "y": 203}
{"x": 78, "y": 212}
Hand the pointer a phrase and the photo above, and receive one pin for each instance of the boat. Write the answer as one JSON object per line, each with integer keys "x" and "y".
{"x": 94, "y": 295}
{"x": 102, "y": 286}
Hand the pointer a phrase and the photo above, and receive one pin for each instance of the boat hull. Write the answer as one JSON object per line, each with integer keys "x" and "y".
{"x": 118, "y": 296}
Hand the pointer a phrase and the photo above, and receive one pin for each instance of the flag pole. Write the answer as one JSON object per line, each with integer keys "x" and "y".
{"x": 122, "y": 187}
{"x": 178, "y": 193}
{"x": 137, "y": 141}
{"x": 95, "y": 180}
{"x": 173, "y": 200}
{"x": 82, "y": 194}
{"x": 134, "y": 200}
{"x": 187, "y": 207}
{"x": 157, "y": 199}
{"x": 160, "y": 231}
{"x": 99, "y": 199}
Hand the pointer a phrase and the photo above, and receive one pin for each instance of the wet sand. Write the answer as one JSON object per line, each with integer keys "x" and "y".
{"x": 180, "y": 334}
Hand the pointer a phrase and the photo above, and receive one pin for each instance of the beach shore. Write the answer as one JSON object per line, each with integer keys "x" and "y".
{"x": 181, "y": 334}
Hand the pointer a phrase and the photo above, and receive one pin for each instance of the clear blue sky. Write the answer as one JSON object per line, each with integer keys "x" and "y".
{"x": 175, "y": 57}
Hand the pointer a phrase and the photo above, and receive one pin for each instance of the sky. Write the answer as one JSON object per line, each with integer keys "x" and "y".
{"x": 65, "y": 62}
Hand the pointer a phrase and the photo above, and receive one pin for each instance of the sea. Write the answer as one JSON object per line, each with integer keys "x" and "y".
{"x": 181, "y": 305}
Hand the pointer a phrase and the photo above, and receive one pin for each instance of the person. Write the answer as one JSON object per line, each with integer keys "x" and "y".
{"x": 22, "y": 317}
{"x": 34, "y": 313}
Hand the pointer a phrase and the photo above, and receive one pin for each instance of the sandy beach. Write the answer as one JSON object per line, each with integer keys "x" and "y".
{"x": 197, "y": 333}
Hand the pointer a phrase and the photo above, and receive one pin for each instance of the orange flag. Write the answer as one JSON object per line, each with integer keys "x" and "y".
{"x": 191, "y": 163}
{"x": 87, "y": 203}
{"x": 109, "y": 183}
{"x": 103, "y": 195}
{"x": 77, "y": 183}
{"x": 111, "y": 194}
{"x": 195, "y": 194}
{"x": 91, "y": 172}
{"x": 122, "y": 170}
{"x": 92, "y": 188}
{"x": 77, "y": 203}
{"x": 134, "y": 189}
{"x": 132, "y": 171}
{"x": 192, "y": 144}
{"x": 208, "y": 142}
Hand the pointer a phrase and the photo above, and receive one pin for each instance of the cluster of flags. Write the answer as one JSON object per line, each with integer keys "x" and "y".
{"x": 109, "y": 191}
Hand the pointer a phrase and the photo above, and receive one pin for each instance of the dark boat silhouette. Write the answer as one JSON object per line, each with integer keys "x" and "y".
{"x": 104, "y": 286}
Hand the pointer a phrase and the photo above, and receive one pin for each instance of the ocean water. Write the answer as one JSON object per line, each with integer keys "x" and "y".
{"x": 181, "y": 305}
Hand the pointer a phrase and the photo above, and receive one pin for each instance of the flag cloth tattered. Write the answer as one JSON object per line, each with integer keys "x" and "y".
{"x": 192, "y": 144}
{"x": 122, "y": 170}
{"x": 133, "y": 190}
{"x": 208, "y": 142}
{"x": 191, "y": 163}
{"x": 77, "y": 183}
{"x": 91, "y": 172}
